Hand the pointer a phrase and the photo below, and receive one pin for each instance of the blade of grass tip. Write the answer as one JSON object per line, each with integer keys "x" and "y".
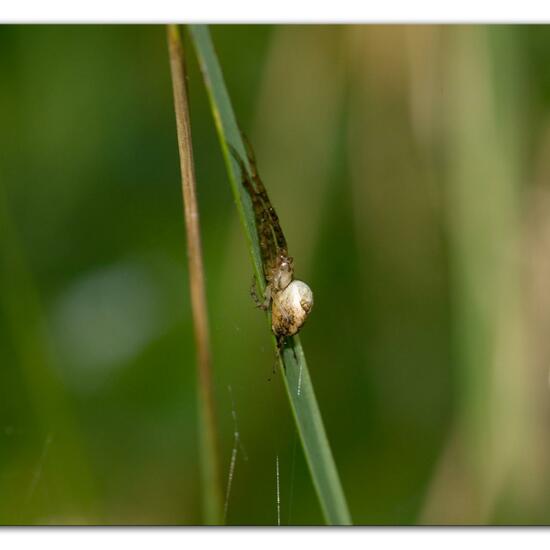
{"x": 209, "y": 453}
{"x": 296, "y": 376}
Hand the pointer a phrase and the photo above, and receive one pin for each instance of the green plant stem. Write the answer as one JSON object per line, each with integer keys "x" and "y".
{"x": 296, "y": 376}
{"x": 212, "y": 495}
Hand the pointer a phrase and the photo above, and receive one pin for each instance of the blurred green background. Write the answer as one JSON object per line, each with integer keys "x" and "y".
{"x": 410, "y": 167}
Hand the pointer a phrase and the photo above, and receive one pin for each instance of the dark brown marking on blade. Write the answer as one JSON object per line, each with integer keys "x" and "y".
{"x": 262, "y": 192}
{"x": 266, "y": 236}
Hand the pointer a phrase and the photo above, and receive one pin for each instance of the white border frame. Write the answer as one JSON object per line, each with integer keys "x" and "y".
{"x": 281, "y": 11}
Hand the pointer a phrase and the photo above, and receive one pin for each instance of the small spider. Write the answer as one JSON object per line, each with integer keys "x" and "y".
{"x": 291, "y": 300}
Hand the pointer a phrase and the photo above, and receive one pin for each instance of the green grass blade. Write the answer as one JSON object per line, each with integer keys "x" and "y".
{"x": 485, "y": 199}
{"x": 296, "y": 378}
{"x": 68, "y": 466}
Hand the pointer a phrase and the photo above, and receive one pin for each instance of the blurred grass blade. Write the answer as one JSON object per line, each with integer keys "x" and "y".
{"x": 485, "y": 226}
{"x": 297, "y": 380}
{"x": 209, "y": 454}
{"x": 53, "y": 412}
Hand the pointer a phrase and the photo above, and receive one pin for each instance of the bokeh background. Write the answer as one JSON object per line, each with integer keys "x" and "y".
{"x": 410, "y": 166}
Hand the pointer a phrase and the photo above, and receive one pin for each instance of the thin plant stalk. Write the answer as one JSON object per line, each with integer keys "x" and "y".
{"x": 209, "y": 453}
{"x": 297, "y": 380}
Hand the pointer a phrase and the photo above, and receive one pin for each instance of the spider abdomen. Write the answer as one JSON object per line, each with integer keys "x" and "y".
{"x": 290, "y": 308}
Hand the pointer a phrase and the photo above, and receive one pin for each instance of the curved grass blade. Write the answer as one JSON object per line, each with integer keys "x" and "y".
{"x": 293, "y": 362}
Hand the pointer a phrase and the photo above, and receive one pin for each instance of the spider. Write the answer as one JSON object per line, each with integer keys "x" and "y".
{"x": 290, "y": 300}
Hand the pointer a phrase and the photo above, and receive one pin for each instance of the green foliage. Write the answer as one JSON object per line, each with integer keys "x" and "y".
{"x": 422, "y": 156}
{"x": 296, "y": 376}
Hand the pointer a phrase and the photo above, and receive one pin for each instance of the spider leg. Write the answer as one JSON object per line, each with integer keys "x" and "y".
{"x": 261, "y": 304}
{"x": 249, "y": 151}
{"x": 281, "y": 340}
{"x": 267, "y": 298}
{"x": 254, "y": 293}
